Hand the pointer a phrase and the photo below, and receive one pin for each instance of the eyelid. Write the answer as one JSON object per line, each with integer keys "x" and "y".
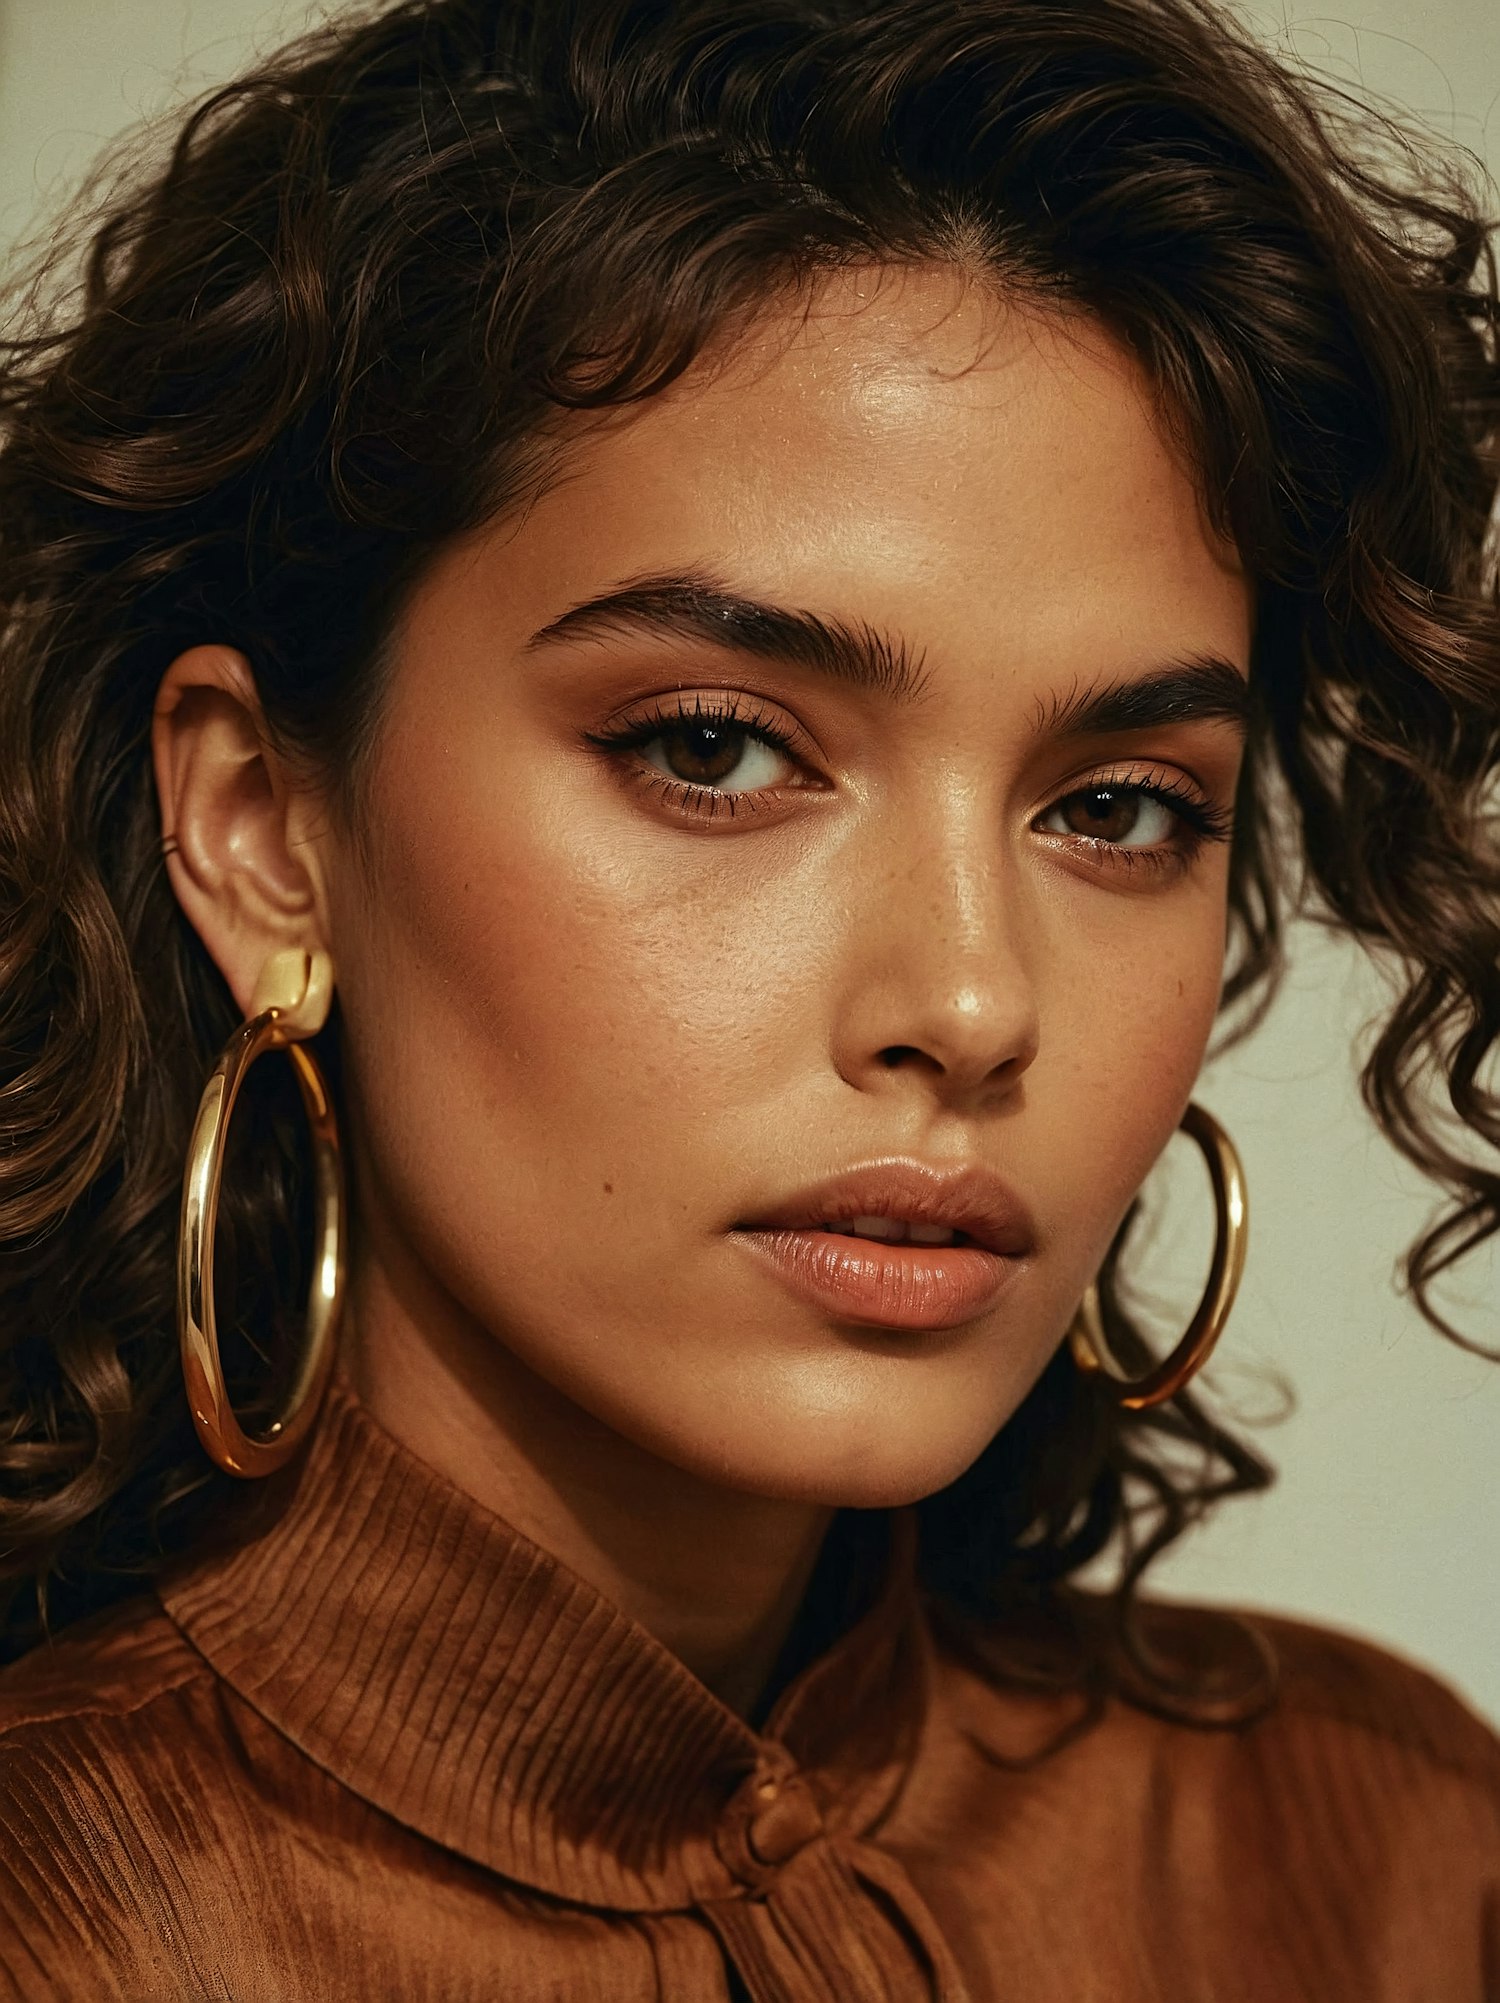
{"x": 1201, "y": 819}
{"x": 749, "y": 713}
{"x": 693, "y": 800}
{"x": 1164, "y": 781}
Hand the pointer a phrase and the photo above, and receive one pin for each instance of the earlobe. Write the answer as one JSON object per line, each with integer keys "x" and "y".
{"x": 228, "y": 808}
{"x": 299, "y": 985}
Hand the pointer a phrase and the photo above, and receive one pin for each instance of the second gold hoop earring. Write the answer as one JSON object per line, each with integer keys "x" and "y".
{"x": 292, "y": 999}
{"x": 1087, "y": 1338}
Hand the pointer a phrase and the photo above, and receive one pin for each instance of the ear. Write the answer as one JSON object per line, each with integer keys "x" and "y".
{"x": 245, "y": 861}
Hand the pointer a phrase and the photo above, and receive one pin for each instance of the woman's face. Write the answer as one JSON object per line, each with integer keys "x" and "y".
{"x": 614, "y": 986}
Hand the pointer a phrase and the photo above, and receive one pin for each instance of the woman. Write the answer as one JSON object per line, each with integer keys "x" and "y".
{"x": 717, "y": 633}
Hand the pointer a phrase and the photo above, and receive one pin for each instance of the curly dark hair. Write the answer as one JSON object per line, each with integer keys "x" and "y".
{"x": 337, "y": 328}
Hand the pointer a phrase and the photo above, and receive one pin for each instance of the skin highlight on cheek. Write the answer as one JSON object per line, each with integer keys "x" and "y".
{"x": 593, "y": 1028}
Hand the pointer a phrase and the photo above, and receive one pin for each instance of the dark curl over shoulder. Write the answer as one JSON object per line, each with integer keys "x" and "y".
{"x": 346, "y": 321}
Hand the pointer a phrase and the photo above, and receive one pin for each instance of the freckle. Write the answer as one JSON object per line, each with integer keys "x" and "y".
{"x": 1179, "y": 987}
{"x": 609, "y": 1189}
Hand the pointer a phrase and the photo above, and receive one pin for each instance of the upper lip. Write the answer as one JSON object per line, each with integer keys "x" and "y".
{"x": 968, "y": 1198}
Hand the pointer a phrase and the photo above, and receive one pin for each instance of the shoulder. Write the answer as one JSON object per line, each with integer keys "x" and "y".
{"x": 1335, "y": 1713}
{"x": 1272, "y": 1679}
{"x": 106, "y": 1736}
{"x": 1371, "y": 1786}
{"x": 105, "y": 1667}
{"x": 1305, "y": 1812}
{"x": 1260, "y": 1704}
{"x": 1342, "y": 1688}
{"x": 94, "y": 1710}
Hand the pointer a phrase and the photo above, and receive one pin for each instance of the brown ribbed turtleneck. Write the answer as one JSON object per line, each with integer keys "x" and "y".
{"x": 381, "y": 1746}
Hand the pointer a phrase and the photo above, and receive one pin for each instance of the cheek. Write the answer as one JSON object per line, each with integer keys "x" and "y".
{"x": 1129, "y": 1025}
{"x": 555, "y": 989}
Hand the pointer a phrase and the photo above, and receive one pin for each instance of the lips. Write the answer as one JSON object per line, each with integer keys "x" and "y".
{"x": 896, "y": 1285}
{"x": 969, "y": 1198}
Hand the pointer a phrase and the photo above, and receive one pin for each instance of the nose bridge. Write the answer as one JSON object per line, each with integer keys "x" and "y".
{"x": 945, "y": 967}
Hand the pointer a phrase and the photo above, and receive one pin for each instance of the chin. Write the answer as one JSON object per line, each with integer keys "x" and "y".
{"x": 880, "y": 1459}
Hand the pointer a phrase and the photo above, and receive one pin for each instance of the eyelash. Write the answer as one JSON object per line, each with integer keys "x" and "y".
{"x": 1201, "y": 821}
{"x": 705, "y": 801}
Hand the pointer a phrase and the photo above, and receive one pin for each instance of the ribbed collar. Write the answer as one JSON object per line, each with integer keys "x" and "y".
{"x": 459, "y": 1678}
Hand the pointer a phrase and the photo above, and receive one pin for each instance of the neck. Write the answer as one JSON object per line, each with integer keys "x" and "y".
{"x": 716, "y": 1575}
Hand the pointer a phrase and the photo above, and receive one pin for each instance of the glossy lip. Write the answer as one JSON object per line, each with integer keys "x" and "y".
{"x": 902, "y": 1286}
{"x": 970, "y": 1198}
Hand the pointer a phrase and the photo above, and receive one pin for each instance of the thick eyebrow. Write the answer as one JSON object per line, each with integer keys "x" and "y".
{"x": 690, "y": 605}
{"x": 694, "y": 605}
{"x": 1201, "y": 689}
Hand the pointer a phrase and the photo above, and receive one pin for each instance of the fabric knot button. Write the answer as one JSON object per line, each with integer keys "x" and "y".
{"x": 785, "y": 1820}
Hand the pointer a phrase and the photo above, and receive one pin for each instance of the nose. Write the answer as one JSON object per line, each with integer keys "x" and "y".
{"x": 937, "y": 979}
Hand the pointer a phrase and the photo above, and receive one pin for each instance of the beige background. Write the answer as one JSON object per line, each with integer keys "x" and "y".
{"x": 1386, "y": 1518}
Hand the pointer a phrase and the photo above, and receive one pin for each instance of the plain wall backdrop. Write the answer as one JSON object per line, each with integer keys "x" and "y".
{"x": 1386, "y": 1516}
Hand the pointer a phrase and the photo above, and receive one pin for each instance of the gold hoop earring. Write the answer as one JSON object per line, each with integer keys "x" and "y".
{"x": 291, "y": 1001}
{"x": 1087, "y": 1338}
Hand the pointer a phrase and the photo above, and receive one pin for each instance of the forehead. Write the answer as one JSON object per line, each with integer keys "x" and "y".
{"x": 911, "y": 447}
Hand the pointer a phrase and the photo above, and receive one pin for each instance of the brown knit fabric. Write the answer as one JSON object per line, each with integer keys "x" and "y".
{"x": 382, "y": 1747}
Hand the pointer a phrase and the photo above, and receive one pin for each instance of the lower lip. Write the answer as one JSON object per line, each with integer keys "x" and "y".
{"x": 891, "y": 1286}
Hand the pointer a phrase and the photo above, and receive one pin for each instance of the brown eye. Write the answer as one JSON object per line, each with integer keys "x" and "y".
{"x": 1127, "y": 816}
{"x": 1102, "y": 812}
{"x": 704, "y": 751}
{"x": 703, "y": 754}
